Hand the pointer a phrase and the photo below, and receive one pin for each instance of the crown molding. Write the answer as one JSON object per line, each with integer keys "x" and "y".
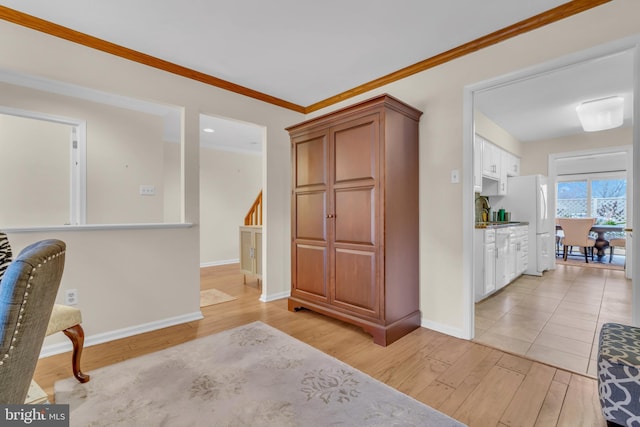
{"x": 552, "y": 15}
{"x": 65, "y": 33}
{"x": 556, "y": 14}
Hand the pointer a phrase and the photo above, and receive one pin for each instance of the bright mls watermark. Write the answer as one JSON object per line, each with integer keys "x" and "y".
{"x": 34, "y": 415}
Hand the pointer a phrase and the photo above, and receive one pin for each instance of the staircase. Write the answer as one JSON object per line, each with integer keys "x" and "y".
{"x": 251, "y": 241}
{"x": 254, "y": 216}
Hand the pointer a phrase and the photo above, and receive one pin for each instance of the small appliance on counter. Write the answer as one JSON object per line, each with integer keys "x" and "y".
{"x": 501, "y": 216}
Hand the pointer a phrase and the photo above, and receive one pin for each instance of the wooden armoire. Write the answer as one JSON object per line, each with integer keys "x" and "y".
{"x": 355, "y": 217}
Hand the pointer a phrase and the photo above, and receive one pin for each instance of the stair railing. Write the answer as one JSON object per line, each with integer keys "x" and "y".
{"x": 254, "y": 216}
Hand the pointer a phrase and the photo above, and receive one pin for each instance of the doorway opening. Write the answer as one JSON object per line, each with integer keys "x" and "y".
{"x": 535, "y": 155}
{"x": 231, "y": 182}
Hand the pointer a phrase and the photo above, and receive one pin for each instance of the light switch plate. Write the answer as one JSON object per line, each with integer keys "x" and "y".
{"x": 147, "y": 190}
{"x": 455, "y": 176}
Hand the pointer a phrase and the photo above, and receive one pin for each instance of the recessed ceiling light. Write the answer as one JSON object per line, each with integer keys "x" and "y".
{"x": 208, "y": 130}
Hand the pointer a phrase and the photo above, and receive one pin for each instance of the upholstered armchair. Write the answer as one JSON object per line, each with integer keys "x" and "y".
{"x": 67, "y": 319}
{"x": 28, "y": 291}
{"x": 63, "y": 319}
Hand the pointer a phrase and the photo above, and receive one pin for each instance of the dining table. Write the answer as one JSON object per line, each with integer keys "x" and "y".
{"x": 601, "y": 229}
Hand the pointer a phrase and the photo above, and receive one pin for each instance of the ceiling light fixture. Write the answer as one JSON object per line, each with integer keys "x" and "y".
{"x": 601, "y": 114}
{"x": 208, "y": 130}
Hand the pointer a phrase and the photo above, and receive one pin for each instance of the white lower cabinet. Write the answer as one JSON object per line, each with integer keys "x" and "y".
{"x": 485, "y": 264}
{"x": 512, "y": 254}
{"x": 522, "y": 257}
{"x": 501, "y": 256}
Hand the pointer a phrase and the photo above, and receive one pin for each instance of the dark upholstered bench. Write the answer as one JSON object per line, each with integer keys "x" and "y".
{"x": 619, "y": 374}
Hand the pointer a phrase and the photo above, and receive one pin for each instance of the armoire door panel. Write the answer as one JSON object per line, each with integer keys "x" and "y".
{"x": 310, "y": 220}
{"x": 311, "y": 165}
{"x": 355, "y": 150}
{"x": 355, "y": 279}
{"x": 353, "y": 255}
{"x": 311, "y": 270}
{"x": 355, "y": 215}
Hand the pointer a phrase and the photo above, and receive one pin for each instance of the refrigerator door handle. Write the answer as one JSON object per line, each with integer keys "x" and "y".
{"x": 544, "y": 214}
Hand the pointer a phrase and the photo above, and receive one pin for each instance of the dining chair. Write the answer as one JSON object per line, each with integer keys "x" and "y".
{"x": 559, "y": 239}
{"x": 576, "y": 233}
{"x": 616, "y": 242}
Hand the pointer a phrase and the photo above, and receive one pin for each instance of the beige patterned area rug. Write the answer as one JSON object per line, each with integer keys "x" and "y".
{"x": 253, "y": 375}
{"x": 214, "y": 296}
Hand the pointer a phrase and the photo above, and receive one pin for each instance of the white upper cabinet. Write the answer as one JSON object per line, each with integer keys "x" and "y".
{"x": 512, "y": 165}
{"x": 491, "y": 160}
{"x": 477, "y": 164}
{"x": 495, "y": 164}
{"x": 502, "y": 179}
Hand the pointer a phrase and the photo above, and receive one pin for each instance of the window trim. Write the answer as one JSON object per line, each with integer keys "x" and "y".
{"x": 588, "y": 178}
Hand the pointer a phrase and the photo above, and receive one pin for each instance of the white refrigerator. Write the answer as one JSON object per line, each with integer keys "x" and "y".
{"x": 526, "y": 199}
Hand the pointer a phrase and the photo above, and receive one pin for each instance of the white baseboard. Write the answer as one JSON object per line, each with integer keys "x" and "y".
{"x": 64, "y": 347}
{"x": 217, "y": 263}
{"x": 273, "y": 297}
{"x": 445, "y": 329}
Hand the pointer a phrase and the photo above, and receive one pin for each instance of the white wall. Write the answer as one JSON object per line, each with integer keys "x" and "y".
{"x": 438, "y": 92}
{"x": 135, "y": 279}
{"x": 491, "y": 131}
{"x": 124, "y": 149}
{"x": 34, "y": 162}
{"x": 535, "y": 154}
{"x": 229, "y": 184}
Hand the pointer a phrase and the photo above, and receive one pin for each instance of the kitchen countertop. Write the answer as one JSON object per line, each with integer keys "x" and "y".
{"x": 500, "y": 224}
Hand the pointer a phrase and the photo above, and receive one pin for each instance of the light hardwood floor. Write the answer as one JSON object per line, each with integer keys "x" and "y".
{"x": 476, "y": 384}
{"x": 556, "y": 318}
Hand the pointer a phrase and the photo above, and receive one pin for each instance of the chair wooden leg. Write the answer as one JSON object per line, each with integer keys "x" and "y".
{"x": 76, "y": 335}
{"x": 564, "y": 253}
{"x": 586, "y": 255}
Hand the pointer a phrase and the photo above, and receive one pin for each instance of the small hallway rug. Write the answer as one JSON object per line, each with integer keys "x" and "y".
{"x": 253, "y": 375}
{"x": 214, "y": 296}
{"x": 604, "y": 263}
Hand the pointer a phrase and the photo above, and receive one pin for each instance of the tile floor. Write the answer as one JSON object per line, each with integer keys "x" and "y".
{"x": 556, "y": 318}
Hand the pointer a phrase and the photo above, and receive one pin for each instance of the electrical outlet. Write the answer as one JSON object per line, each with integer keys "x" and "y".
{"x": 147, "y": 190}
{"x": 71, "y": 297}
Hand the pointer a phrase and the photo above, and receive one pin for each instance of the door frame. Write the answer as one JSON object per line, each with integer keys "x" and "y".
{"x": 469, "y": 92}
